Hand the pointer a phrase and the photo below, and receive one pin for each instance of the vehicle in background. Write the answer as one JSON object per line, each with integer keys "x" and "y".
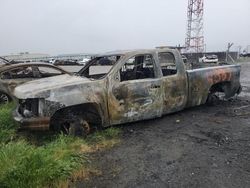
{"x": 52, "y": 61}
{"x": 121, "y": 87}
{"x": 69, "y": 62}
{"x": 14, "y": 75}
{"x": 209, "y": 59}
{"x": 84, "y": 61}
{"x": 246, "y": 52}
{"x": 3, "y": 62}
{"x": 17, "y": 62}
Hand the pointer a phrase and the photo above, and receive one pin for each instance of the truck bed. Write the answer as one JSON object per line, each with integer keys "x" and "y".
{"x": 203, "y": 79}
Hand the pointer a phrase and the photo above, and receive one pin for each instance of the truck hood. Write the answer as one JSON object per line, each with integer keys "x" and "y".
{"x": 41, "y": 88}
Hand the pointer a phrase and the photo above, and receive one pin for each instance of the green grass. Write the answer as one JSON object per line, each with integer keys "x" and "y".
{"x": 49, "y": 161}
{"x": 7, "y": 124}
{"x": 24, "y": 165}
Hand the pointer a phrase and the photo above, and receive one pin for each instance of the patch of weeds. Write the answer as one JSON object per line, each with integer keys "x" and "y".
{"x": 104, "y": 135}
{"x": 24, "y": 165}
{"x": 40, "y": 160}
{"x": 104, "y": 139}
{"x": 7, "y": 124}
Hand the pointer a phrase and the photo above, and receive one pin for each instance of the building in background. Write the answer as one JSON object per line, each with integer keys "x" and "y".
{"x": 26, "y": 56}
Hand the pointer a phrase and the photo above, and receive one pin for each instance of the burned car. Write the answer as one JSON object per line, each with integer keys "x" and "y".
{"x": 14, "y": 75}
{"x": 3, "y": 62}
{"x": 118, "y": 88}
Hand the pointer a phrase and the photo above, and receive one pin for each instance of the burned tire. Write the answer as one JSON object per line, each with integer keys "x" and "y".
{"x": 79, "y": 127}
{"x": 212, "y": 99}
{"x": 4, "y": 98}
{"x": 76, "y": 121}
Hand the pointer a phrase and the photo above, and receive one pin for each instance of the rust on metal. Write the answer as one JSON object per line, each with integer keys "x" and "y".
{"x": 39, "y": 124}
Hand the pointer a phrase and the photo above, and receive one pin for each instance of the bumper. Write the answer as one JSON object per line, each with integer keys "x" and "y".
{"x": 34, "y": 123}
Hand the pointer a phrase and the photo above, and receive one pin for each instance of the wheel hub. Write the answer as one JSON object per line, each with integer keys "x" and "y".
{"x": 79, "y": 127}
{"x": 85, "y": 126}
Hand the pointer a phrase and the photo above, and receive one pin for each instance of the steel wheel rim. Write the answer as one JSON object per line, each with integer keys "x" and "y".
{"x": 85, "y": 126}
{"x": 82, "y": 129}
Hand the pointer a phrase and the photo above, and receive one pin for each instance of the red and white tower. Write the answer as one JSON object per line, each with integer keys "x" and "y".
{"x": 195, "y": 35}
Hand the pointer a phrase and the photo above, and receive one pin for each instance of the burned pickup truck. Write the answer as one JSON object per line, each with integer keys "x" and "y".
{"x": 121, "y": 87}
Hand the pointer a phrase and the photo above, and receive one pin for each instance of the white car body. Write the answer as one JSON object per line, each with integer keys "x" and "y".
{"x": 52, "y": 61}
{"x": 84, "y": 61}
{"x": 209, "y": 59}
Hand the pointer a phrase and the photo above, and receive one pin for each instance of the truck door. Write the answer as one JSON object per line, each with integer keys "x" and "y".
{"x": 174, "y": 79}
{"x": 135, "y": 94}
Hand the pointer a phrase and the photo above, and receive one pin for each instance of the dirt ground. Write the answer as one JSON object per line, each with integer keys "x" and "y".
{"x": 206, "y": 146}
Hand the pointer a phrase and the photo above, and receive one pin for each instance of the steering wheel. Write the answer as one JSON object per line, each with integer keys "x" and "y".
{"x": 129, "y": 75}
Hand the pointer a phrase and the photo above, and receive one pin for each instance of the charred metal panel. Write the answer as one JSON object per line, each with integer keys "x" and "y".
{"x": 175, "y": 93}
{"x": 135, "y": 100}
{"x": 49, "y": 108}
{"x": 65, "y": 92}
{"x": 201, "y": 80}
{"x": 175, "y": 88}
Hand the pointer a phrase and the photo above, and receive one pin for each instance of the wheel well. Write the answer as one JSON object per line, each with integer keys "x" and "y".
{"x": 222, "y": 87}
{"x": 90, "y": 111}
{"x": 219, "y": 87}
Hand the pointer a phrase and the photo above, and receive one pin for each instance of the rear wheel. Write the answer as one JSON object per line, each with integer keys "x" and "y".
{"x": 212, "y": 99}
{"x": 4, "y": 98}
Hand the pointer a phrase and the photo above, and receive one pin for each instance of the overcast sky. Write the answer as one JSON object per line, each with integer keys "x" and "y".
{"x": 91, "y": 26}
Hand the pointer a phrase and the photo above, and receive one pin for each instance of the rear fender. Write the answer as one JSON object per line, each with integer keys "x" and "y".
{"x": 224, "y": 87}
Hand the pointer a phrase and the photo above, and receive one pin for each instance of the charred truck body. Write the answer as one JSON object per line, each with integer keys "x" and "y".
{"x": 121, "y": 87}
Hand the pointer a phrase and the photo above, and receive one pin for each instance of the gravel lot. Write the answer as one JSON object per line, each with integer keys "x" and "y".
{"x": 206, "y": 146}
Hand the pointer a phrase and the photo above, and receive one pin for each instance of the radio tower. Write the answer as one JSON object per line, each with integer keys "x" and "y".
{"x": 195, "y": 37}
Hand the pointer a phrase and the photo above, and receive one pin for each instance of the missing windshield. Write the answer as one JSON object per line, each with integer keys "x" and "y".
{"x": 99, "y": 67}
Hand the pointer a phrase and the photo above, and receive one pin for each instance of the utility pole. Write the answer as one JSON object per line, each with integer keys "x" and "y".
{"x": 195, "y": 34}
{"x": 227, "y": 53}
{"x": 239, "y": 51}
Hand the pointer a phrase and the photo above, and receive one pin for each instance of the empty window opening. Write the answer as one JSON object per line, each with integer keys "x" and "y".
{"x": 138, "y": 67}
{"x": 168, "y": 63}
